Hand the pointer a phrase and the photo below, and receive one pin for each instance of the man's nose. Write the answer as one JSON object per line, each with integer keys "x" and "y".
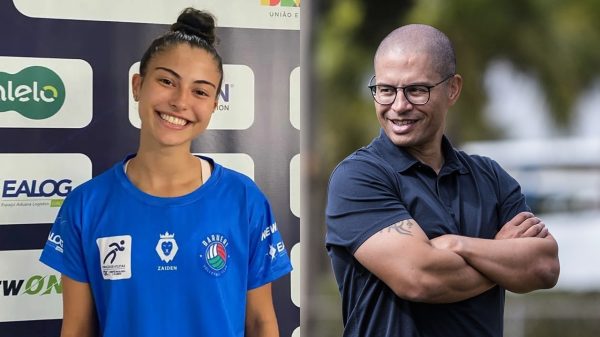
{"x": 401, "y": 103}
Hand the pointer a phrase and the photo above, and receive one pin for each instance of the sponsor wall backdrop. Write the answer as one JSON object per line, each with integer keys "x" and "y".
{"x": 66, "y": 115}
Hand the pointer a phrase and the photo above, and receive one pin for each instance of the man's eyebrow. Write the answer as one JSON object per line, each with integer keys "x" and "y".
{"x": 425, "y": 84}
{"x": 174, "y": 73}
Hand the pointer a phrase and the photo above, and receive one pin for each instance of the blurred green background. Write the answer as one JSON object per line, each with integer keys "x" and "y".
{"x": 531, "y": 73}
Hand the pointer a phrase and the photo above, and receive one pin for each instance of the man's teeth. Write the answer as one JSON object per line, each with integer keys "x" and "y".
{"x": 403, "y": 122}
{"x": 173, "y": 119}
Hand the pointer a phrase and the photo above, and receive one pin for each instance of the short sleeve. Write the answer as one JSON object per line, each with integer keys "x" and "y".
{"x": 63, "y": 249}
{"x": 362, "y": 199}
{"x": 268, "y": 259}
{"x": 512, "y": 200}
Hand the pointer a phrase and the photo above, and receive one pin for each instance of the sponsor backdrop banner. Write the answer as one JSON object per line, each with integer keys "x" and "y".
{"x": 66, "y": 115}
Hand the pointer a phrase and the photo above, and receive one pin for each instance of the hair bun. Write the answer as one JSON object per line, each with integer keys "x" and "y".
{"x": 195, "y": 22}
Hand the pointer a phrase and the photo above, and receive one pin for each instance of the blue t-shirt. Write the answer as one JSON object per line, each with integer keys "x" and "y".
{"x": 177, "y": 266}
{"x": 382, "y": 184}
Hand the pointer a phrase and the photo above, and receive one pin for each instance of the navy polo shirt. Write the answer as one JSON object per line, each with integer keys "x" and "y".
{"x": 382, "y": 184}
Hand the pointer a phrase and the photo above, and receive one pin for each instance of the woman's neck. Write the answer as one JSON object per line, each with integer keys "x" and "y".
{"x": 165, "y": 172}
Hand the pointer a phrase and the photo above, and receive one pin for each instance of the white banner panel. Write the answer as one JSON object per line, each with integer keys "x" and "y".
{"x": 240, "y": 162}
{"x": 295, "y": 98}
{"x": 265, "y": 14}
{"x": 295, "y": 276}
{"x": 29, "y": 290}
{"x": 34, "y": 186}
{"x": 235, "y": 109}
{"x": 45, "y": 92}
{"x": 295, "y": 185}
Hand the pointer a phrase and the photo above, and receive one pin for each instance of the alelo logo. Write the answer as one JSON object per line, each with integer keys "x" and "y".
{"x": 35, "y": 92}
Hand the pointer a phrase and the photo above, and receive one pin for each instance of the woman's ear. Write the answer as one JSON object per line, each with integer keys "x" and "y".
{"x": 136, "y": 84}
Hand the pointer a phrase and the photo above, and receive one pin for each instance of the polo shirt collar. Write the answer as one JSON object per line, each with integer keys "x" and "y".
{"x": 401, "y": 160}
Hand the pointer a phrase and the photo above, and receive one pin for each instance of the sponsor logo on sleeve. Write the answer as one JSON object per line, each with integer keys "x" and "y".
{"x": 276, "y": 245}
{"x": 271, "y": 229}
{"x": 276, "y": 250}
{"x": 54, "y": 240}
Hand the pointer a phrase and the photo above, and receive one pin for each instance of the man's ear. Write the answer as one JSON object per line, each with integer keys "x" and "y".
{"x": 455, "y": 88}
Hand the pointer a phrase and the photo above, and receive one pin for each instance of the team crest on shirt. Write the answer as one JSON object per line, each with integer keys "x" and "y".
{"x": 167, "y": 248}
{"x": 215, "y": 254}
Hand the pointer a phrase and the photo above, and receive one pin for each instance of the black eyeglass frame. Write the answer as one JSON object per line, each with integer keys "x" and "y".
{"x": 373, "y": 87}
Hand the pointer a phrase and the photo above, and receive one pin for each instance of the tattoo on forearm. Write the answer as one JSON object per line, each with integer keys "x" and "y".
{"x": 403, "y": 227}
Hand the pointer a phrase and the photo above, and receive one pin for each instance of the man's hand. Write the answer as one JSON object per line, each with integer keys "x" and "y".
{"x": 523, "y": 225}
{"x": 522, "y": 257}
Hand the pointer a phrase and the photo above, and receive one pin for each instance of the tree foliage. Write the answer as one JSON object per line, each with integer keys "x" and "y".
{"x": 551, "y": 40}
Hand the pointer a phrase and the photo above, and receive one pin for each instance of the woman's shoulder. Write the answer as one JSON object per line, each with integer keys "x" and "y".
{"x": 232, "y": 176}
{"x": 98, "y": 184}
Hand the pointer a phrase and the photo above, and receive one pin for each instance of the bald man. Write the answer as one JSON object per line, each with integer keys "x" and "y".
{"x": 424, "y": 239}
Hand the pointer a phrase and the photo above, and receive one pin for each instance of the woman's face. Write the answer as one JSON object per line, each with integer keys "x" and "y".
{"x": 176, "y": 96}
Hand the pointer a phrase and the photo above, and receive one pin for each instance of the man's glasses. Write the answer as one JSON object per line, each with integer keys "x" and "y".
{"x": 416, "y": 94}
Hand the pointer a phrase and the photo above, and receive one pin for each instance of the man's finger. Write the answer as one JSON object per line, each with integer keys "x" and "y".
{"x": 519, "y": 218}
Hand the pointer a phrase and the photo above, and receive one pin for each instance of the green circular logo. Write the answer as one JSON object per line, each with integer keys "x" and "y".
{"x": 35, "y": 92}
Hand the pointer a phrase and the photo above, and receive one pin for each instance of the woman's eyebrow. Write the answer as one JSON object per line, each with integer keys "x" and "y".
{"x": 174, "y": 73}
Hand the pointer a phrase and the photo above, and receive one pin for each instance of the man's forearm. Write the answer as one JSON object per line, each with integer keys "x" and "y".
{"x": 519, "y": 265}
{"x": 449, "y": 278}
{"x": 415, "y": 269}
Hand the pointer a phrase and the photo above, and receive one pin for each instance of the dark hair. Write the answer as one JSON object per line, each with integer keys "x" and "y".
{"x": 194, "y": 27}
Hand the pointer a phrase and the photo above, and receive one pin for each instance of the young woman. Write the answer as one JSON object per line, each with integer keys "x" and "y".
{"x": 166, "y": 243}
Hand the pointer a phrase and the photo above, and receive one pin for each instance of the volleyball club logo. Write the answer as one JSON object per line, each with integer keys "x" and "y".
{"x": 215, "y": 256}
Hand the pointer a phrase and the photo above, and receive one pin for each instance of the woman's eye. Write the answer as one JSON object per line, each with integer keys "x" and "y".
{"x": 165, "y": 81}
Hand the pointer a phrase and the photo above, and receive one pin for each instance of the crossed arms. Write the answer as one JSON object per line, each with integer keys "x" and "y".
{"x": 522, "y": 257}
